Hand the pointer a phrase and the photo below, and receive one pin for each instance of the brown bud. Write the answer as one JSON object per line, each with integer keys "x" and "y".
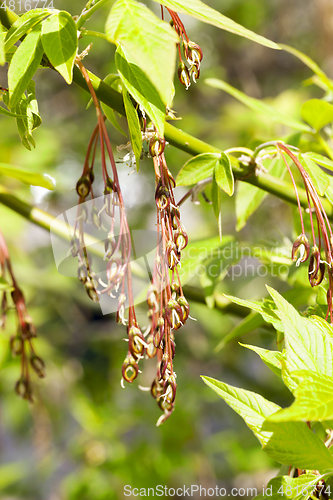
{"x": 156, "y": 146}
{"x": 83, "y": 186}
{"x": 23, "y": 389}
{"x": 183, "y": 75}
{"x": 130, "y": 369}
{"x": 301, "y": 249}
{"x": 38, "y": 366}
{"x": 184, "y": 307}
{"x": 174, "y": 314}
{"x": 16, "y": 345}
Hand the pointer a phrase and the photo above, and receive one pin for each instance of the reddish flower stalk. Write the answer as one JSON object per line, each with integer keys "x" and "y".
{"x": 192, "y": 52}
{"x": 317, "y": 265}
{"x": 21, "y": 344}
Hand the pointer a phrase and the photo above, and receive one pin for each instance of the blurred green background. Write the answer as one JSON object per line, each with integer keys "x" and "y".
{"x": 85, "y": 438}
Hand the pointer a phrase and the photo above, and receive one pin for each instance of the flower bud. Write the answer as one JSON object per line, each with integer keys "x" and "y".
{"x": 137, "y": 342}
{"x": 83, "y": 186}
{"x": 16, "y": 345}
{"x": 152, "y": 297}
{"x": 23, "y": 389}
{"x": 38, "y": 366}
{"x": 184, "y": 307}
{"x": 301, "y": 249}
{"x": 151, "y": 349}
{"x": 183, "y": 75}
{"x": 174, "y": 314}
{"x": 316, "y": 268}
{"x": 91, "y": 291}
{"x": 169, "y": 390}
{"x": 130, "y": 369}
{"x": 180, "y": 239}
{"x": 156, "y": 389}
{"x": 82, "y": 272}
{"x": 156, "y": 146}
{"x": 172, "y": 254}
{"x": 194, "y": 53}
{"x": 162, "y": 197}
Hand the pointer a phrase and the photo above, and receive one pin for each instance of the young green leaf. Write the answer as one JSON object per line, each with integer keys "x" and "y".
{"x": 141, "y": 89}
{"x": 2, "y": 47}
{"x": 206, "y": 14}
{"x": 290, "y": 488}
{"x": 223, "y": 174}
{"x": 313, "y": 399}
{"x": 28, "y": 119}
{"x": 198, "y": 168}
{"x": 4, "y": 111}
{"x": 249, "y": 198}
{"x": 133, "y": 127}
{"x": 291, "y": 443}
{"x": 26, "y": 176}
{"x": 272, "y": 359}
{"x": 59, "y": 38}
{"x": 24, "y": 65}
{"x": 320, "y": 159}
{"x": 23, "y": 24}
{"x": 257, "y": 105}
{"x": 310, "y": 63}
{"x": 317, "y": 113}
{"x": 319, "y": 178}
{"x": 268, "y": 311}
{"x": 150, "y": 42}
{"x": 309, "y": 341}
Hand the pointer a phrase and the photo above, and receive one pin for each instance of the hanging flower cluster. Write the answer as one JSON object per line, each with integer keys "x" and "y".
{"x": 191, "y": 50}
{"x": 321, "y": 253}
{"x": 168, "y": 308}
{"x": 22, "y": 343}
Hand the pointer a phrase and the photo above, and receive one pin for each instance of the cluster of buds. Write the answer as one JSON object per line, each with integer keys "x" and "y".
{"x": 168, "y": 309}
{"x": 320, "y": 256}
{"x": 117, "y": 247}
{"x": 22, "y": 343}
{"x": 191, "y": 50}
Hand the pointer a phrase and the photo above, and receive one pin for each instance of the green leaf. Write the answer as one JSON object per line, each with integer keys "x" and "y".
{"x": 4, "y": 111}
{"x": 5, "y": 286}
{"x": 257, "y": 105}
{"x": 310, "y": 63}
{"x": 317, "y": 113}
{"x": 266, "y": 309}
{"x": 133, "y": 127}
{"x": 297, "y": 296}
{"x": 313, "y": 399}
{"x": 319, "y": 178}
{"x": 28, "y": 109}
{"x": 223, "y": 174}
{"x": 272, "y": 359}
{"x": 249, "y": 198}
{"x": 290, "y": 488}
{"x": 150, "y": 42}
{"x": 23, "y": 24}
{"x": 206, "y": 14}
{"x": 26, "y": 176}
{"x": 59, "y": 38}
{"x": 291, "y": 443}
{"x": 2, "y": 47}
{"x": 198, "y": 168}
{"x": 308, "y": 341}
{"x": 24, "y": 65}
{"x": 322, "y": 160}
{"x": 140, "y": 88}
